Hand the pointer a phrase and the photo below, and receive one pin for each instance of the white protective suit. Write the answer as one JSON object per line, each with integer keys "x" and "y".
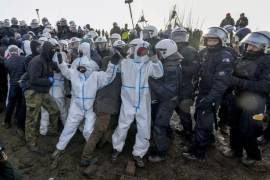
{"x": 57, "y": 91}
{"x": 85, "y": 48}
{"x": 27, "y": 48}
{"x": 84, "y": 88}
{"x": 136, "y": 101}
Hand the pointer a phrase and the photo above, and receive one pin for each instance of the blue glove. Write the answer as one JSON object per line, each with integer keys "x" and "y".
{"x": 50, "y": 78}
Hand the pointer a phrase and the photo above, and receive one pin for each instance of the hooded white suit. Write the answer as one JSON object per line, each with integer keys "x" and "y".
{"x": 84, "y": 88}
{"x": 136, "y": 101}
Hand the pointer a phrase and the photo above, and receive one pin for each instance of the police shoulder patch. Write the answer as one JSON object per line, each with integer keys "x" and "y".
{"x": 227, "y": 60}
{"x": 221, "y": 73}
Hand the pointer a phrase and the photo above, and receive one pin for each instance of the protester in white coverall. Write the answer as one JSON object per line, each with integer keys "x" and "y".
{"x": 136, "y": 101}
{"x": 85, "y": 82}
{"x": 57, "y": 91}
{"x": 83, "y": 49}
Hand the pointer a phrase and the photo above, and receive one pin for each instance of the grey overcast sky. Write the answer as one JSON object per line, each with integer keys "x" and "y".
{"x": 101, "y": 13}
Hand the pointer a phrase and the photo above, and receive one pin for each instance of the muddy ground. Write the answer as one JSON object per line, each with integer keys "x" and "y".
{"x": 175, "y": 167}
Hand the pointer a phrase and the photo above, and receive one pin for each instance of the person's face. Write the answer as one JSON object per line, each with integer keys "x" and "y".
{"x": 64, "y": 47}
{"x": 212, "y": 42}
{"x": 63, "y": 23}
{"x": 146, "y": 34}
{"x": 44, "y": 22}
{"x": 101, "y": 46}
{"x": 113, "y": 40}
{"x": 252, "y": 48}
{"x": 75, "y": 45}
{"x": 73, "y": 28}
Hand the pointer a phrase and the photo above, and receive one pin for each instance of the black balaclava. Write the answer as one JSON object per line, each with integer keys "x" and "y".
{"x": 47, "y": 51}
{"x": 35, "y": 47}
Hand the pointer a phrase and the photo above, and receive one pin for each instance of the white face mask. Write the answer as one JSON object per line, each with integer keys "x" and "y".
{"x": 142, "y": 58}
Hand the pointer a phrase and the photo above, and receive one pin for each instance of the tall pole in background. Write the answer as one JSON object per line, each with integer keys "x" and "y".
{"x": 130, "y": 11}
{"x": 37, "y": 11}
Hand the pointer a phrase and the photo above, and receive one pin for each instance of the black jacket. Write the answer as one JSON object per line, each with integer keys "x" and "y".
{"x": 15, "y": 68}
{"x": 242, "y": 22}
{"x": 3, "y": 72}
{"x": 108, "y": 99}
{"x": 40, "y": 69}
{"x": 253, "y": 73}
{"x": 115, "y": 30}
{"x": 227, "y": 21}
{"x": 33, "y": 45}
{"x": 190, "y": 65}
{"x": 169, "y": 86}
{"x": 216, "y": 67}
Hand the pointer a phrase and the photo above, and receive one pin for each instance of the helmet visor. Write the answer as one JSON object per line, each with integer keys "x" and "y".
{"x": 256, "y": 39}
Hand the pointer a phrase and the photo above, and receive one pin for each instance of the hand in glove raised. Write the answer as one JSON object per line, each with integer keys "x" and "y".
{"x": 59, "y": 58}
{"x": 116, "y": 57}
{"x": 51, "y": 79}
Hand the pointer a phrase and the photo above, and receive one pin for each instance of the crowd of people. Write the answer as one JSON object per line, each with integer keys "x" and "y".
{"x": 101, "y": 84}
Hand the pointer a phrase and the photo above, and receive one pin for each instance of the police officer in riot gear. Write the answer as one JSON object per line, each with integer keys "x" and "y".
{"x": 166, "y": 91}
{"x": 215, "y": 69}
{"x": 251, "y": 81}
{"x": 190, "y": 65}
{"x": 150, "y": 34}
{"x": 101, "y": 45}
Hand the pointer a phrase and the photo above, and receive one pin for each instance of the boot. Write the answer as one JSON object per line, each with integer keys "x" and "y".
{"x": 115, "y": 155}
{"x": 156, "y": 158}
{"x": 139, "y": 161}
{"x": 57, "y": 154}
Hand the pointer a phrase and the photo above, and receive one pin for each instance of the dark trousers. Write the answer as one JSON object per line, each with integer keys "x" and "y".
{"x": 225, "y": 110}
{"x": 161, "y": 126}
{"x": 185, "y": 117}
{"x": 3, "y": 95}
{"x": 102, "y": 126}
{"x": 203, "y": 131}
{"x": 183, "y": 110}
{"x": 16, "y": 99}
{"x": 245, "y": 130}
